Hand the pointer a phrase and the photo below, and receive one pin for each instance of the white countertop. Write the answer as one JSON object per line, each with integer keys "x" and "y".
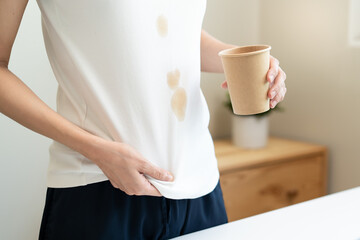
{"x": 335, "y": 216}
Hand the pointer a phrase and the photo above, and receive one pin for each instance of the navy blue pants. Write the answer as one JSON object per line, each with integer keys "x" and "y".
{"x": 101, "y": 212}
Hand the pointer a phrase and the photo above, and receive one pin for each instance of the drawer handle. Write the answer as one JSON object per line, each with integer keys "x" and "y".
{"x": 291, "y": 194}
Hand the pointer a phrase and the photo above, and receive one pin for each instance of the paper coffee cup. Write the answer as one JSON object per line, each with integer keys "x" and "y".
{"x": 245, "y": 71}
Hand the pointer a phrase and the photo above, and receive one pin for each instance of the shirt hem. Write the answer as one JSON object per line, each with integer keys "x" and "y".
{"x": 74, "y": 180}
{"x": 79, "y": 179}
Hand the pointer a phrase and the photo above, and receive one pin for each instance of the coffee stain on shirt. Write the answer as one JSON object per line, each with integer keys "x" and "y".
{"x": 162, "y": 25}
{"x": 173, "y": 78}
{"x": 178, "y": 103}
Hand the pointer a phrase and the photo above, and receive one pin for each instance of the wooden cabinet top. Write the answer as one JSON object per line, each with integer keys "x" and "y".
{"x": 231, "y": 157}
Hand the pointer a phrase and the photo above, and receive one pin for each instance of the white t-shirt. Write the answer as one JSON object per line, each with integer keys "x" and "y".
{"x": 129, "y": 71}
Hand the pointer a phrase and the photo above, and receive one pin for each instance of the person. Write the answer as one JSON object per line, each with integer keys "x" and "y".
{"x": 132, "y": 156}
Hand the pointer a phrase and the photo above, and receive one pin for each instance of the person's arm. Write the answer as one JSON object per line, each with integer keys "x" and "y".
{"x": 119, "y": 161}
{"x": 17, "y": 101}
{"x": 211, "y": 62}
{"x": 209, "y": 48}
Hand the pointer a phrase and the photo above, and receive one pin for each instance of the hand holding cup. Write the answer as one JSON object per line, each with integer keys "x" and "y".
{"x": 254, "y": 79}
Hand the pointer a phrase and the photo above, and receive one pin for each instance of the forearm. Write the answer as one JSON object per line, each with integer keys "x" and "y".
{"x": 20, "y": 103}
{"x": 210, "y": 47}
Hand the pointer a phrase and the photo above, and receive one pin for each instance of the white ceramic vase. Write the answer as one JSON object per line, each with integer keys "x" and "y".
{"x": 250, "y": 132}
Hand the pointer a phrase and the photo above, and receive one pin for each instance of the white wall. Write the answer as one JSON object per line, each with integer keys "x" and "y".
{"x": 24, "y": 153}
{"x": 323, "y": 80}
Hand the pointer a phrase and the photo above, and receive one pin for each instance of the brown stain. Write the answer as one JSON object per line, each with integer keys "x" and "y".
{"x": 178, "y": 103}
{"x": 162, "y": 26}
{"x": 173, "y": 78}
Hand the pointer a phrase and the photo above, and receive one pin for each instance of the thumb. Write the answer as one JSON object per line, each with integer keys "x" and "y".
{"x": 156, "y": 172}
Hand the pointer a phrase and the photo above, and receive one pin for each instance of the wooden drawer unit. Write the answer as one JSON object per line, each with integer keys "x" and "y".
{"x": 283, "y": 173}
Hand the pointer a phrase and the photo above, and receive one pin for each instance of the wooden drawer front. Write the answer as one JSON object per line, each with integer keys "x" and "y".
{"x": 253, "y": 191}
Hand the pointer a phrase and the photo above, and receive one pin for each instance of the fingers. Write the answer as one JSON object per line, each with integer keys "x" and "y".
{"x": 224, "y": 85}
{"x": 140, "y": 187}
{"x": 278, "y": 84}
{"x": 277, "y": 89}
{"x": 276, "y": 77}
{"x": 148, "y": 188}
{"x": 278, "y": 98}
{"x": 273, "y": 69}
{"x": 155, "y": 172}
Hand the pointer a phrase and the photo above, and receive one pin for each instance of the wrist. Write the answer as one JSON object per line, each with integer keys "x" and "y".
{"x": 89, "y": 145}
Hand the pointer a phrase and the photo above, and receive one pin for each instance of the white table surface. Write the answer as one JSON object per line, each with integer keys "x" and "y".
{"x": 335, "y": 216}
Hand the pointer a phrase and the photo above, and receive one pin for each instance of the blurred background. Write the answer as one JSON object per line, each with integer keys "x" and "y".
{"x": 317, "y": 43}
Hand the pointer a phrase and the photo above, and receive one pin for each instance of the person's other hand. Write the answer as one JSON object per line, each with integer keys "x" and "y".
{"x": 125, "y": 167}
{"x": 276, "y": 78}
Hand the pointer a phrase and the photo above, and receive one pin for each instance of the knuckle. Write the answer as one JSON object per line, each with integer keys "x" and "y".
{"x": 276, "y": 61}
{"x": 282, "y": 97}
{"x": 136, "y": 193}
{"x": 130, "y": 190}
{"x": 140, "y": 193}
{"x": 158, "y": 174}
{"x": 277, "y": 98}
{"x": 276, "y": 90}
{"x": 147, "y": 168}
{"x": 144, "y": 166}
{"x": 130, "y": 193}
{"x": 273, "y": 72}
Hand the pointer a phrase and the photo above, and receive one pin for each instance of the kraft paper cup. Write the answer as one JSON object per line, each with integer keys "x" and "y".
{"x": 245, "y": 71}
